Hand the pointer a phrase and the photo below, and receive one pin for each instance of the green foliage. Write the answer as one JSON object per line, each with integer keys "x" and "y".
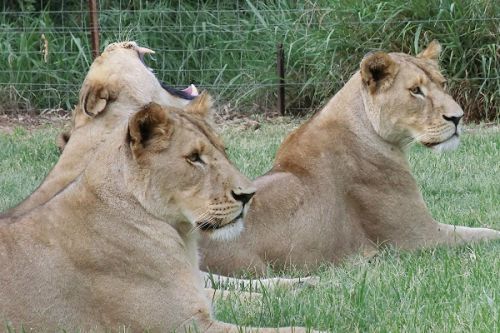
{"x": 229, "y": 47}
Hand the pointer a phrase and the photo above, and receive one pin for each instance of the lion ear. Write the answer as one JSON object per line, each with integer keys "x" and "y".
{"x": 94, "y": 98}
{"x": 202, "y": 106}
{"x": 148, "y": 128}
{"x": 432, "y": 51}
{"x": 378, "y": 71}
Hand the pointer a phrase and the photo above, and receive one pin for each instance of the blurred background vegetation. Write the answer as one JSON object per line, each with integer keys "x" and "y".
{"x": 229, "y": 47}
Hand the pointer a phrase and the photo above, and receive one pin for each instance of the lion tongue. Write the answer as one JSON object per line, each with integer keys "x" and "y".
{"x": 191, "y": 90}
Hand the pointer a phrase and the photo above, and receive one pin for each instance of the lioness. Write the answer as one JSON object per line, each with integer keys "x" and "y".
{"x": 341, "y": 183}
{"x": 117, "y": 245}
{"x": 118, "y": 82}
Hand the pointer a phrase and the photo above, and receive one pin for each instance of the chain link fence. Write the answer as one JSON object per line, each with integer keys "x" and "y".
{"x": 229, "y": 47}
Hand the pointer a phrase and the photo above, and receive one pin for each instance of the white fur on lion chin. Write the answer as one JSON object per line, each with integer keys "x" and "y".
{"x": 228, "y": 232}
{"x": 448, "y": 145}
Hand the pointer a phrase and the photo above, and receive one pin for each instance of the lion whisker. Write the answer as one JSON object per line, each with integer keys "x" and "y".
{"x": 198, "y": 226}
{"x": 412, "y": 140}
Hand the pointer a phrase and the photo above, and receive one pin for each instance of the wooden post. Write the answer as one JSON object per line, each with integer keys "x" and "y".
{"x": 94, "y": 28}
{"x": 280, "y": 64}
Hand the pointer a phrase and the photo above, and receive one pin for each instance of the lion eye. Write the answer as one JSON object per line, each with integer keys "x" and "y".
{"x": 195, "y": 158}
{"x": 416, "y": 91}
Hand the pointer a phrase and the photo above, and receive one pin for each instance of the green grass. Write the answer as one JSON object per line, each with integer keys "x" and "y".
{"x": 228, "y": 47}
{"x": 440, "y": 290}
{"x": 25, "y": 159}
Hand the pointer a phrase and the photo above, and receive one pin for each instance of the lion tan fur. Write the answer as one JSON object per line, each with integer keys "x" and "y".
{"x": 118, "y": 82}
{"x": 116, "y": 247}
{"x": 341, "y": 184}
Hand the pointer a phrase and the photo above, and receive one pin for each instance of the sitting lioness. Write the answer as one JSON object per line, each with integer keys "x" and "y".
{"x": 116, "y": 247}
{"x": 341, "y": 183}
{"x": 118, "y": 82}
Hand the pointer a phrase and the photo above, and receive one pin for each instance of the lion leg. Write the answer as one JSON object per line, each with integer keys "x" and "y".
{"x": 221, "y": 327}
{"x": 243, "y": 296}
{"x": 450, "y": 234}
{"x": 217, "y": 327}
{"x": 435, "y": 234}
{"x": 203, "y": 323}
{"x": 264, "y": 330}
{"x": 213, "y": 280}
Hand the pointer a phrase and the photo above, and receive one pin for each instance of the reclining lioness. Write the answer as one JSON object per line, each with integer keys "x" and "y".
{"x": 116, "y": 247}
{"x": 341, "y": 183}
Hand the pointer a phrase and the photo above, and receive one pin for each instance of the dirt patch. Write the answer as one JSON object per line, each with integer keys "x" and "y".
{"x": 60, "y": 118}
{"x": 227, "y": 117}
{"x": 54, "y": 118}
{"x": 483, "y": 127}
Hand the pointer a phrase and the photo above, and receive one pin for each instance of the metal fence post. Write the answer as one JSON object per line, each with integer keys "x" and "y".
{"x": 280, "y": 64}
{"x": 94, "y": 28}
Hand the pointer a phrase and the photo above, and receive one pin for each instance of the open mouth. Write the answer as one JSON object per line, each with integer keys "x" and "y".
{"x": 432, "y": 144}
{"x": 185, "y": 93}
{"x": 209, "y": 226}
{"x": 188, "y": 93}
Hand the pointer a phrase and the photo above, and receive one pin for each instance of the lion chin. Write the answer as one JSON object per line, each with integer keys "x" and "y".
{"x": 223, "y": 231}
{"x": 447, "y": 145}
{"x": 228, "y": 232}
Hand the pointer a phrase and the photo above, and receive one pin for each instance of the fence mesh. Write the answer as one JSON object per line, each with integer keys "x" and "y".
{"x": 229, "y": 47}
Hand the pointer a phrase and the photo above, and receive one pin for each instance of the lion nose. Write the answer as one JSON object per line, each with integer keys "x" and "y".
{"x": 244, "y": 197}
{"x": 455, "y": 120}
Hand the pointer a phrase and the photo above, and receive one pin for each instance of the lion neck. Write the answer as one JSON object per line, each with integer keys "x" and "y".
{"x": 86, "y": 137}
{"x": 350, "y": 118}
{"x": 121, "y": 182}
{"x": 73, "y": 160}
{"x": 384, "y": 128}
